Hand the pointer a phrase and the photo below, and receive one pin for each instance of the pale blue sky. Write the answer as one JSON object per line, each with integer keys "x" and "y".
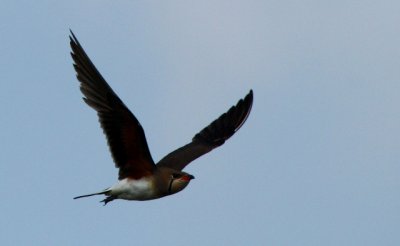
{"x": 317, "y": 162}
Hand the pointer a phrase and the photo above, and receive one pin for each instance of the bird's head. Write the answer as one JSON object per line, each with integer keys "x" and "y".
{"x": 178, "y": 181}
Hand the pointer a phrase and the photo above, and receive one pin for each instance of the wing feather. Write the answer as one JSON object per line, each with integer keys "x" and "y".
{"x": 212, "y": 136}
{"x": 125, "y": 135}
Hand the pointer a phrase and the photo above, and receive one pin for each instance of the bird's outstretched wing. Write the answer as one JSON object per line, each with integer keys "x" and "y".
{"x": 124, "y": 133}
{"x": 212, "y": 136}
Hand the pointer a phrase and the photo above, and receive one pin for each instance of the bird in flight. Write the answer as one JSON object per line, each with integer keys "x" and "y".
{"x": 140, "y": 178}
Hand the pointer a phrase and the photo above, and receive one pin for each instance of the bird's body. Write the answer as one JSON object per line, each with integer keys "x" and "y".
{"x": 134, "y": 189}
{"x": 147, "y": 188}
{"x": 139, "y": 177}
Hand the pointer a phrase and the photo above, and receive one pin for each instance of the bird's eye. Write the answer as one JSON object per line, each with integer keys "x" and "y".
{"x": 176, "y": 175}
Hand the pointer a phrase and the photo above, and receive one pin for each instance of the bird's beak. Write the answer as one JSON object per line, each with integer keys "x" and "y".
{"x": 187, "y": 178}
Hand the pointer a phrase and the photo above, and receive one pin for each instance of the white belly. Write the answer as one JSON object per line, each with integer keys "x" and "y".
{"x": 130, "y": 189}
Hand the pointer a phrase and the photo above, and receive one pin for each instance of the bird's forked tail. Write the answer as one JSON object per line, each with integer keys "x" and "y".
{"x": 93, "y": 194}
{"x": 108, "y": 199}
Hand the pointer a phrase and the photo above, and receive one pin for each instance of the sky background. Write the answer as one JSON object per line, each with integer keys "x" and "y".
{"x": 316, "y": 163}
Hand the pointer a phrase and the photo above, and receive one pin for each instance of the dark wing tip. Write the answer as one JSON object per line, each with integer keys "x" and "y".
{"x": 72, "y": 37}
{"x": 74, "y": 43}
{"x": 227, "y": 124}
{"x": 248, "y": 104}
